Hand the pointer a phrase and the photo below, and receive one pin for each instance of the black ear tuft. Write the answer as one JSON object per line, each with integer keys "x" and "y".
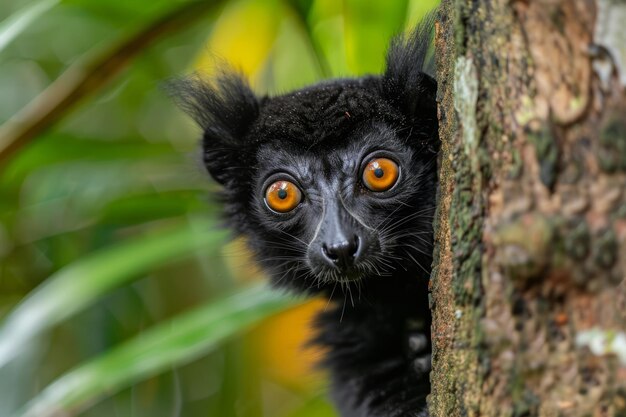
{"x": 224, "y": 107}
{"x": 406, "y": 82}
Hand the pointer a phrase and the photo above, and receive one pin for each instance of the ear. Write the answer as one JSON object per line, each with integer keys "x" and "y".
{"x": 225, "y": 108}
{"x": 405, "y": 82}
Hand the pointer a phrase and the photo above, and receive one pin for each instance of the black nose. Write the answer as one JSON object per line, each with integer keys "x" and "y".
{"x": 342, "y": 253}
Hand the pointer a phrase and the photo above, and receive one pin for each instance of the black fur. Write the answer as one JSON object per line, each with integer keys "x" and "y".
{"x": 377, "y": 334}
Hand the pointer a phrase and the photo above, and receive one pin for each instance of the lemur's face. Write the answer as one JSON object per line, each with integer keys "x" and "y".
{"x": 349, "y": 211}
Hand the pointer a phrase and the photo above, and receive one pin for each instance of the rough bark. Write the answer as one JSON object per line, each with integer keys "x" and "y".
{"x": 528, "y": 289}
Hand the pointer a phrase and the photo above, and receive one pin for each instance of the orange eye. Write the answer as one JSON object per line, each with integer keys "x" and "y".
{"x": 283, "y": 196}
{"x": 380, "y": 174}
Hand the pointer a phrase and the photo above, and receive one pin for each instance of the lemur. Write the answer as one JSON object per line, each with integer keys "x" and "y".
{"x": 334, "y": 186}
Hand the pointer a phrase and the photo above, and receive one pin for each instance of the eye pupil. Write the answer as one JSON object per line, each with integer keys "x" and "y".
{"x": 378, "y": 172}
{"x": 282, "y": 194}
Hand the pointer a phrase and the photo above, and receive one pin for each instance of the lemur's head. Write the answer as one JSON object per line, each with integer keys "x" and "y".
{"x": 331, "y": 183}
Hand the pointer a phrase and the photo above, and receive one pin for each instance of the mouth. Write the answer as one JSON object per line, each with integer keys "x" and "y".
{"x": 351, "y": 274}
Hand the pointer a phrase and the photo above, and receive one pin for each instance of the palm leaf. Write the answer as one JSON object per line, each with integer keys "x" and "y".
{"x": 172, "y": 343}
{"x": 81, "y": 283}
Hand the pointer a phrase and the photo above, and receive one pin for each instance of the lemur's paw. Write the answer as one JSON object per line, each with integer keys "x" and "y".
{"x": 418, "y": 343}
{"x": 419, "y": 349}
{"x": 422, "y": 364}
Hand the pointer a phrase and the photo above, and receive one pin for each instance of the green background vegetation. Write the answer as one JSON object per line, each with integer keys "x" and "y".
{"x": 119, "y": 293}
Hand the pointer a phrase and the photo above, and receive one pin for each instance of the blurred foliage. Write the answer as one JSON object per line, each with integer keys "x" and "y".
{"x": 119, "y": 294}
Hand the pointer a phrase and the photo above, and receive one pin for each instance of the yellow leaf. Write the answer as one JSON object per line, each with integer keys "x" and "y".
{"x": 280, "y": 344}
{"x": 243, "y": 36}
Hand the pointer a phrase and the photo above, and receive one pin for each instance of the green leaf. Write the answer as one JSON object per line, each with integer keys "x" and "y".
{"x": 317, "y": 406}
{"x": 55, "y": 148}
{"x": 172, "y": 343}
{"x": 81, "y": 283}
{"x": 12, "y": 26}
{"x": 58, "y": 191}
{"x": 368, "y": 28}
{"x": 301, "y": 10}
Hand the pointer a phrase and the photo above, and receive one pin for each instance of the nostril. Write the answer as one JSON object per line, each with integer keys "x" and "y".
{"x": 330, "y": 254}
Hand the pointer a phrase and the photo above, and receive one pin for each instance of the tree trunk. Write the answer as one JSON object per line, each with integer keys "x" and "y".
{"x": 528, "y": 288}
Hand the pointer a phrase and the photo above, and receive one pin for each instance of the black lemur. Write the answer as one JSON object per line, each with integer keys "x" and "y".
{"x": 333, "y": 186}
